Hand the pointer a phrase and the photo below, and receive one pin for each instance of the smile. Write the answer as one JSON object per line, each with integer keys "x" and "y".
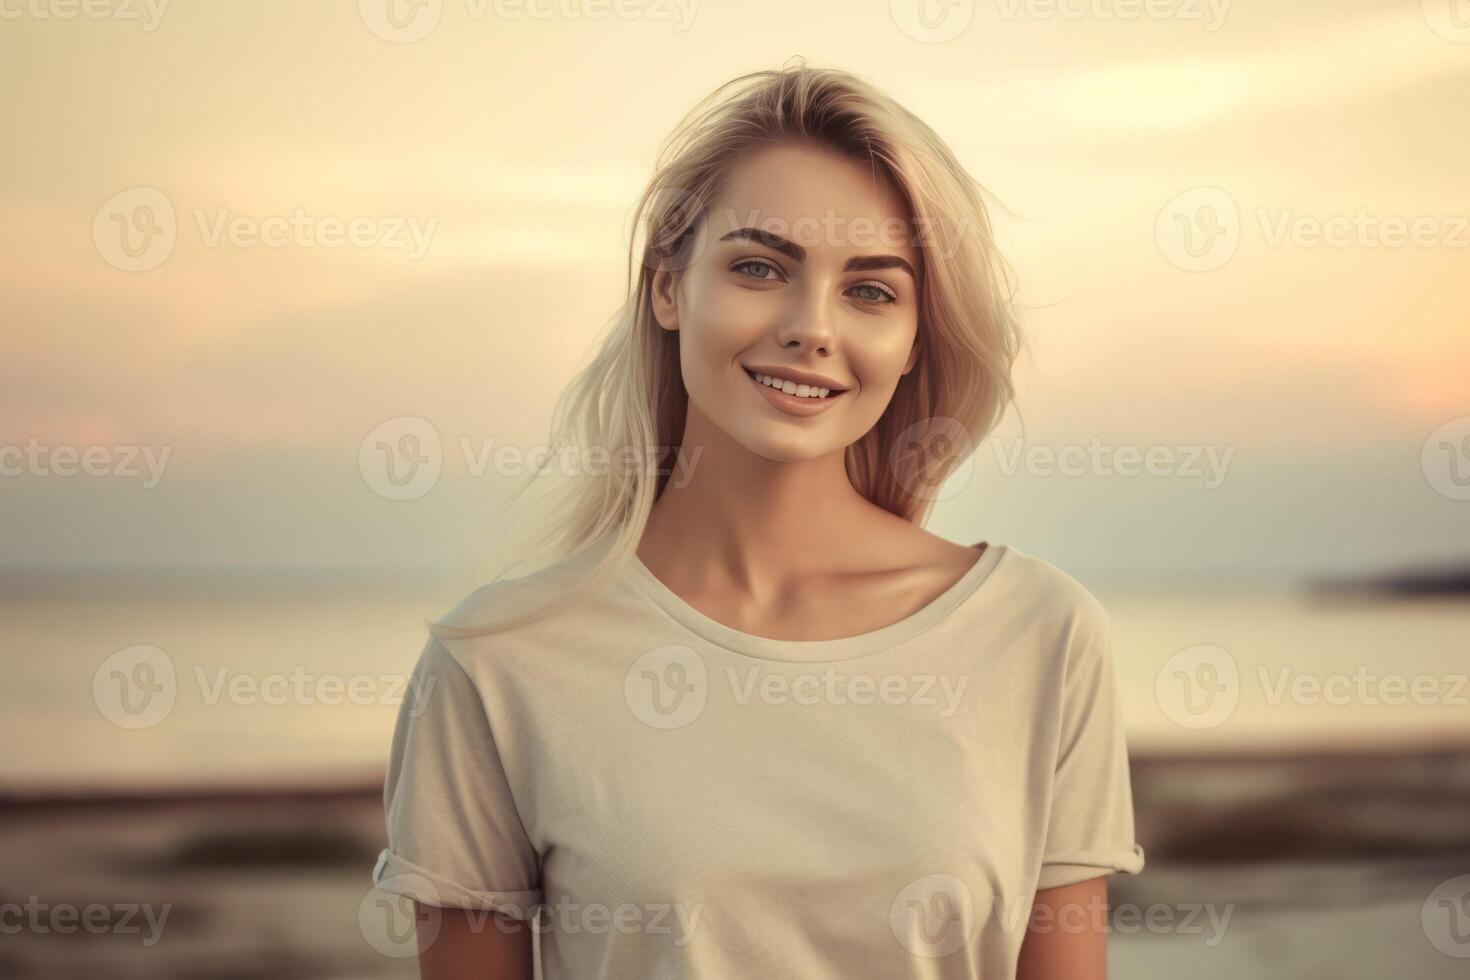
{"x": 776, "y": 393}
{"x": 793, "y": 388}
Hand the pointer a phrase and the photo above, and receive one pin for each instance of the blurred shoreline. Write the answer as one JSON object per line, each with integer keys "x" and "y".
{"x": 263, "y": 878}
{"x": 1190, "y": 805}
{"x": 1345, "y": 763}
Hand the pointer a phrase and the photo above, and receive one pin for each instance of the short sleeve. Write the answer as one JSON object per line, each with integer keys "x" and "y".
{"x": 455, "y": 838}
{"x": 1090, "y": 821}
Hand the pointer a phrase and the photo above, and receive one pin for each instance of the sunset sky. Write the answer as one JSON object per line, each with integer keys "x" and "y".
{"x": 515, "y": 145}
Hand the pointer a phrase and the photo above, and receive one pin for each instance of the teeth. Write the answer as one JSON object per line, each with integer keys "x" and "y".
{"x": 791, "y": 387}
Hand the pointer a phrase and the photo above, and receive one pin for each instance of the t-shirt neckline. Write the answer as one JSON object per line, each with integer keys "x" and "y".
{"x": 817, "y": 651}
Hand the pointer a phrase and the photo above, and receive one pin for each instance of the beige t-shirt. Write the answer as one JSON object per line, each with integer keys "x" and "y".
{"x": 684, "y": 800}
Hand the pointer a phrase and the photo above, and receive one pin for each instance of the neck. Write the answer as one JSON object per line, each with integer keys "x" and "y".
{"x": 743, "y": 519}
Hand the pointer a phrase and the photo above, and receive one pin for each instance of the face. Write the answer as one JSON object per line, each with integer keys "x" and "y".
{"x": 805, "y": 270}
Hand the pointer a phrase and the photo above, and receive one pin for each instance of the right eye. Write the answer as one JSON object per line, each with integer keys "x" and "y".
{"x": 772, "y": 270}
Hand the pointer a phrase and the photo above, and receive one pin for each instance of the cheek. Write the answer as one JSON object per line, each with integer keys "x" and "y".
{"x": 879, "y": 356}
{"x": 729, "y": 319}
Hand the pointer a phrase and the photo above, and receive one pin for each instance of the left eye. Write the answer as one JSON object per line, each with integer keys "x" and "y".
{"x": 769, "y": 271}
{"x": 876, "y": 294}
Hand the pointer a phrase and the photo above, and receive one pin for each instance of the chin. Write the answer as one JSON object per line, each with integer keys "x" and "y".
{"x": 792, "y": 450}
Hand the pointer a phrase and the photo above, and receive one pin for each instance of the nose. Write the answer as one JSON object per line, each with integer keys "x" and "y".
{"x": 811, "y": 325}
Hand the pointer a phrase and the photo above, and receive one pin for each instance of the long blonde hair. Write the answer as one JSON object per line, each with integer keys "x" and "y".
{"x": 629, "y": 403}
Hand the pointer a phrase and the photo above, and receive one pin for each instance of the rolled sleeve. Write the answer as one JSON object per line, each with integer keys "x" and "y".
{"x": 1090, "y": 828}
{"x": 455, "y": 836}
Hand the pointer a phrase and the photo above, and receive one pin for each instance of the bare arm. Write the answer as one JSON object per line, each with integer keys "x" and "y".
{"x": 455, "y": 944}
{"x": 1066, "y": 938}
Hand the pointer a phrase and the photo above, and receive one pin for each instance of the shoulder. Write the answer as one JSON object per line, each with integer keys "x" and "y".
{"x": 517, "y": 615}
{"x": 469, "y": 647}
{"x": 472, "y": 608}
{"x": 513, "y": 595}
{"x": 1053, "y": 598}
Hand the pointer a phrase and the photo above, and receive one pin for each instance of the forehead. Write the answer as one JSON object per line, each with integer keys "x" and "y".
{"x": 818, "y": 199}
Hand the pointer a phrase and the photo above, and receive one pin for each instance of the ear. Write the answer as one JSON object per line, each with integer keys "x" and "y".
{"x": 664, "y": 292}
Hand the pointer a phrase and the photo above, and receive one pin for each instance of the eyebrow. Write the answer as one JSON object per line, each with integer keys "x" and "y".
{"x": 858, "y": 263}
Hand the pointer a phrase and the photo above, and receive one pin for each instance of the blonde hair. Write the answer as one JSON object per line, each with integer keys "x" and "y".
{"x": 629, "y": 403}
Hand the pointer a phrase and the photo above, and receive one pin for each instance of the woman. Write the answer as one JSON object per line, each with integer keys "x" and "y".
{"x": 753, "y": 720}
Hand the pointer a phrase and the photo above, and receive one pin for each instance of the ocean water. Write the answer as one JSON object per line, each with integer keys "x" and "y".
{"x": 302, "y": 683}
{"x": 297, "y": 686}
{"x": 1203, "y": 670}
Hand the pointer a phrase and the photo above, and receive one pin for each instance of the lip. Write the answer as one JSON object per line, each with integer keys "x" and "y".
{"x": 800, "y": 377}
{"x": 792, "y": 405}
